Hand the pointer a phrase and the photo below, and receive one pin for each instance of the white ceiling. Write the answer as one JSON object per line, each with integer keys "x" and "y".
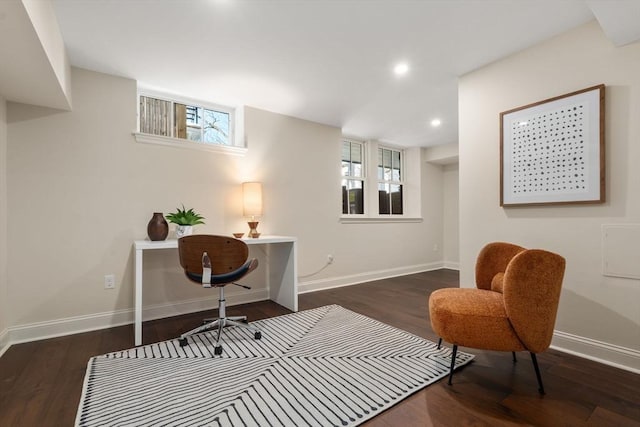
{"x": 326, "y": 61}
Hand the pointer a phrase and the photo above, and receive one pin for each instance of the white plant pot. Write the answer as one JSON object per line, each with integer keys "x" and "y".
{"x": 184, "y": 230}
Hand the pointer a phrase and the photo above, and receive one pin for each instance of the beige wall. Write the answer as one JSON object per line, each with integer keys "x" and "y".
{"x": 596, "y": 312}
{"x": 299, "y": 163}
{"x": 451, "y": 214}
{"x": 45, "y": 24}
{"x": 4, "y": 306}
{"x": 433, "y": 214}
{"x": 80, "y": 190}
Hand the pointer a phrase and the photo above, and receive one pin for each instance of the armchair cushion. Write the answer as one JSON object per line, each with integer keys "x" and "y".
{"x": 497, "y": 283}
{"x": 473, "y": 318}
{"x": 493, "y": 259}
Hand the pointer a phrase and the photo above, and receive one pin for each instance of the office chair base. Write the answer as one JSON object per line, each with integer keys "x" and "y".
{"x": 242, "y": 319}
{"x": 220, "y": 324}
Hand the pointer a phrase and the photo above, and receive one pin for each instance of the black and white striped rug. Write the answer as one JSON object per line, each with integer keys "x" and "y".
{"x": 323, "y": 367}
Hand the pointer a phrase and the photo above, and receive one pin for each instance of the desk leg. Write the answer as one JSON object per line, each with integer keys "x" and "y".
{"x": 138, "y": 299}
{"x": 282, "y": 274}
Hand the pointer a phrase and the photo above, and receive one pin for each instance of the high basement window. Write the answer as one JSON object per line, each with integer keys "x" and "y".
{"x": 187, "y": 124}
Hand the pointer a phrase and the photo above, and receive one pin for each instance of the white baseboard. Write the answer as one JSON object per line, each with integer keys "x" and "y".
{"x": 608, "y": 354}
{"x": 598, "y": 351}
{"x": 451, "y": 265}
{"x": 4, "y": 341}
{"x": 353, "y": 279}
{"x": 92, "y": 322}
{"x": 161, "y": 311}
{"x": 602, "y": 352}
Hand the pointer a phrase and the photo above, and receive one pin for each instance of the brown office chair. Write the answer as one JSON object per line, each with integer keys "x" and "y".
{"x": 513, "y": 308}
{"x": 228, "y": 261}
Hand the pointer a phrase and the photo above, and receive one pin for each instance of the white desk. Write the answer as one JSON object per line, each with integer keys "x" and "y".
{"x": 282, "y": 271}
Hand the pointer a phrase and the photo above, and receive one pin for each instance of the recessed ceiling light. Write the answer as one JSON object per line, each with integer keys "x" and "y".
{"x": 401, "y": 69}
{"x": 436, "y": 122}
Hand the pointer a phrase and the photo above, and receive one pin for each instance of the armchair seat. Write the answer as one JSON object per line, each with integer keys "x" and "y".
{"x": 474, "y": 318}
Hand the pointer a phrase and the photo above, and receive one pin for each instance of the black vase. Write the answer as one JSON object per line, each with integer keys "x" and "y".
{"x": 157, "y": 229}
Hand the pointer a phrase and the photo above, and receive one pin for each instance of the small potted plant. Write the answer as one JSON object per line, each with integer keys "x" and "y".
{"x": 185, "y": 220}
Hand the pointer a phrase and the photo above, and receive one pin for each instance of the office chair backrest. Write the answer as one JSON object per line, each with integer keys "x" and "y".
{"x": 226, "y": 253}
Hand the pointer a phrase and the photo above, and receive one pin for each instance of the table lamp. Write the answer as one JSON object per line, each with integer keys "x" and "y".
{"x": 252, "y": 205}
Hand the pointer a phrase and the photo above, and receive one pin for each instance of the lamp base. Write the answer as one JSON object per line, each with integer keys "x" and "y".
{"x": 253, "y": 232}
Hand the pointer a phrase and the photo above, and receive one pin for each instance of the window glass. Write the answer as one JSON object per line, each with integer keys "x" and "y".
{"x": 193, "y": 117}
{"x": 396, "y": 199}
{"x": 384, "y": 206}
{"x": 352, "y": 159}
{"x": 216, "y": 127}
{"x": 352, "y": 196}
{"x": 352, "y": 171}
{"x": 155, "y": 116}
{"x": 395, "y": 166}
{"x": 191, "y": 122}
{"x": 389, "y": 182}
{"x": 346, "y": 158}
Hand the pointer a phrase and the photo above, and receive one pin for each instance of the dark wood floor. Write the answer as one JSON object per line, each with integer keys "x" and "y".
{"x": 40, "y": 382}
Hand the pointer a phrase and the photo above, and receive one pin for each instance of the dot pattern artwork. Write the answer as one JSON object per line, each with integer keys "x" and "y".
{"x": 549, "y": 152}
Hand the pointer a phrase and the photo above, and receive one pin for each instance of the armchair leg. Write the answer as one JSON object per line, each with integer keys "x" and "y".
{"x": 535, "y": 366}
{"x": 453, "y": 362}
{"x": 439, "y": 343}
{"x": 514, "y": 356}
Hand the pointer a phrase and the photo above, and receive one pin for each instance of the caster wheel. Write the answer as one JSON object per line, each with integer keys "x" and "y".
{"x": 257, "y": 335}
{"x": 217, "y": 350}
{"x": 182, "y": 341}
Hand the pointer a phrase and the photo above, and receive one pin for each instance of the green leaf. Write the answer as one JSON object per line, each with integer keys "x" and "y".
{"x": 185, "y": 217}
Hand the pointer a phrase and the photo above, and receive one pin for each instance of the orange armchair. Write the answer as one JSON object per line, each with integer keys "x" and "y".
{"x": 513, "y": 308}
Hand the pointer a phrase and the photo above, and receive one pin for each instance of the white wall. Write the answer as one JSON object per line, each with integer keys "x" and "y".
{"x": 4, "y": 306}
{"x": 598, "y": 316}
{"x": 80, "y": 190}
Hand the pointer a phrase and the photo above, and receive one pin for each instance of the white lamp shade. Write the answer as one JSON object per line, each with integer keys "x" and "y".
{"x": 252, "y": 198}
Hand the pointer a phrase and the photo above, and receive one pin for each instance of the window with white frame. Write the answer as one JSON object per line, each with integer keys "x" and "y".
{"x": 209, "y": 125}
{"x": 353, "y": 176}
{"x": 380, "y": 183}
{"x": 390, "y": 181}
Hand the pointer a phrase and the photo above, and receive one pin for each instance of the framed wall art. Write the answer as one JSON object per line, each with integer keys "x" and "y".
{"x": 552, "y": 151}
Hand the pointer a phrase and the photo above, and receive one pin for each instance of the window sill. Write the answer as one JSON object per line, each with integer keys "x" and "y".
{"x": 184, "y": 143}
{"x": 379, "y": 220}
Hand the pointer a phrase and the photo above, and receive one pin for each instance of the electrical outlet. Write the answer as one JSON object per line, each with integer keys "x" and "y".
{"x": 109, "y": 281}
{"x": 329, "y": 259}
